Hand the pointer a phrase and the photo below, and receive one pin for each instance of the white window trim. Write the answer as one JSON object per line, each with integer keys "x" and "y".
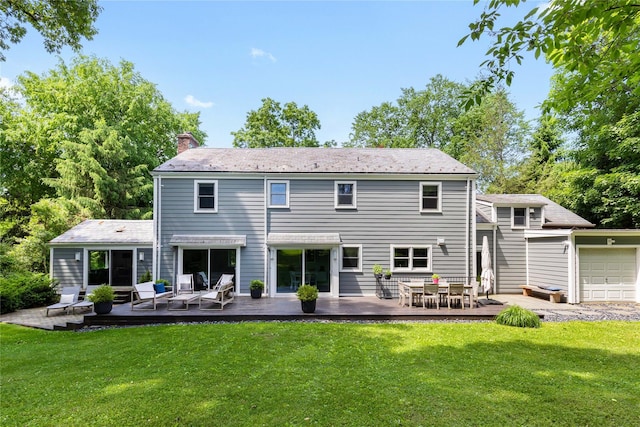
{"x": 513, "y": 218}
{"x": 429, "y": 267}
{"x": 430, "y": 184}
{"x": 354, "y": 205}
{"x": 351, "y": 269}
{"x": 196, "y": 195}
{"x": 286, "y": 205}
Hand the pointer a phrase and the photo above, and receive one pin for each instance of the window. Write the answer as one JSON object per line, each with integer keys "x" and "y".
{"x": 430, "y": 197}
{"x": 411, "y": 258}
{"x": 345, "y": 195}
{"x": 205, "y": 196}
{"x": 278, "y": 194}
{"x": 351, "y": 258}
{"x": 519, "y": 218}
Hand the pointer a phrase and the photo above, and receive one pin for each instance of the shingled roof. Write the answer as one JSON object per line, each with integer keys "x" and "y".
{"x": 555, "y": 215}
{"x": 111, "y": 231}
{"x": 316, "y": 161}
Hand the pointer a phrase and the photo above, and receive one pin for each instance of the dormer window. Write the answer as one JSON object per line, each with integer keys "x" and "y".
{"x": 519, "y": 218}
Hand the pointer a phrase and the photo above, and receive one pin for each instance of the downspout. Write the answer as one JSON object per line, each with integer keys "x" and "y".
{"x": 468, "y": 215}
{"x": 474, "y": 232}
{"x": 265, "y": 232}
{"x": 157, "y": 208}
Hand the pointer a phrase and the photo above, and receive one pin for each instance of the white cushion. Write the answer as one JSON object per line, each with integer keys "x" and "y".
{"x": 67, "y": 298}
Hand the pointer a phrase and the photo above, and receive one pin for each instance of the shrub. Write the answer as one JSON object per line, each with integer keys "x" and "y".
{"x": 25, "y": 290}
{"x": 307, "y": 293}
{"x": 518, "y": 316}
{"x": 103, "y": 293}
{"x": 256, "y": 284}
{"x": 146, "y": 277}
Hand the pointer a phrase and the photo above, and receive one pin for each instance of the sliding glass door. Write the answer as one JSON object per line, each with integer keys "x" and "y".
{"x": 303, "y": 266}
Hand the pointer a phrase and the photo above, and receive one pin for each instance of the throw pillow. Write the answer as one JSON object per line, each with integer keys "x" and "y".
{"x": 159, "y": 288}
{"x": 67, "y": 298}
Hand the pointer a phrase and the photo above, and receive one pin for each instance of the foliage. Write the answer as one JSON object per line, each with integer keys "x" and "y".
{"x": 272, "y": 373}
{"x": 377, "y": 269}
{"x": 307, "y": 293}
{"x": 421, "y": 118}
{"x": 518, "y": 316}
{"x": 274, "y": 126}
{"x": 103, "y": 293}
{"x": 146, "y": 277}
{"x": 25, "y": 290}
{"x": 164, "y": 282}
{"x": 435, "y": 276}
{"x": 256, "y": 284}
{"x": 387, "y": 273}
{"x": 60, "y": 23}
{"x": 596, "y": 41}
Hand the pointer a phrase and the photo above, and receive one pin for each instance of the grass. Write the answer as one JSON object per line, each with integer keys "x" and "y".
{"x": 329, "y": 374}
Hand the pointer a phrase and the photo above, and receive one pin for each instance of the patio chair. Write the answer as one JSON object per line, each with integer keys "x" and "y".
{"x": 430, "y": 293}
{"x": 144, "y": 292}
{"x": 68, "y": 297}
{"x": 472, "y": 294}
{"x": 220, "y": 295}
{"x": 416, "y": 291}
{"x": 85, "y": 303}
{"x": 404, "y": 294}
{"x": 456, "y": 292}
{"x": 185, "y": 284}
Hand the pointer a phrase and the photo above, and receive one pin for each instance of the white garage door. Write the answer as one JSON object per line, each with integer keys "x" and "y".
{"x": 608, "y": 274}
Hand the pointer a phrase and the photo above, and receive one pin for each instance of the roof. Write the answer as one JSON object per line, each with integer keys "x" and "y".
{"x": 316, "y": 161}
{"x": 108, "y": 231}
{"x": 555, "y": 215}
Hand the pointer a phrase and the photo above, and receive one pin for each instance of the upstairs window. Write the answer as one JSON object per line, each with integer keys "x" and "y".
{"x": 519, "y": 218}
{"x": 345, "y": 195}
{"x": 430, "y": 197}
{"x": 205, "y": 196}
{"x": 278, "y": 194}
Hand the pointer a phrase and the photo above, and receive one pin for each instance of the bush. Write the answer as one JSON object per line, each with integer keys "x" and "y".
{"x": 146, "y": 277}
{"x": 518, "y": 316}
{"x": 103, "y": 293}
{"x": 256, "y": 284}
{"x": 307, "y": 293}
{"x": 25, "y": 290}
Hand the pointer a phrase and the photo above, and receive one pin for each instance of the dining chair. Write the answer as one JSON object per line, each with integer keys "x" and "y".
{"x": 430, "y": 293}
{"x": 472, "y": 294}
{"x": 456, "y": 292}
{"x": 404, "y": 294}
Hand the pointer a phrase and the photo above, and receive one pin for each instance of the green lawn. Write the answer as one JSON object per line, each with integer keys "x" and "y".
{"x": 329, "y": 374}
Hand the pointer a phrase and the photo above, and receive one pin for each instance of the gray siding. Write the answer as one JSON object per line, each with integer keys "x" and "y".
{"x": 548, "y": 262}
{"x": 145, "y": 265}
{"x": 387, "y": 213}
{"x": 486, "y": 210}
{"x": 240, "y": 212}
{"x": 66, "y": 270}
{"x": 511, "y": 255}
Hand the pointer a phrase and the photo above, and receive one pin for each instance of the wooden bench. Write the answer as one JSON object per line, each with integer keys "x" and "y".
{"x": 529, "y": 290}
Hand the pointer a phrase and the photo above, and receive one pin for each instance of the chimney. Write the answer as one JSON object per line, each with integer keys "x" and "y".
{"x": 186, "y": 141}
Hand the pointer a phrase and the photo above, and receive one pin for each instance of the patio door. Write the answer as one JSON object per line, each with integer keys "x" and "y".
{"x": 295, "y": 267}
{"x": 112, "y": 267}
{"x": 212, "y": 262}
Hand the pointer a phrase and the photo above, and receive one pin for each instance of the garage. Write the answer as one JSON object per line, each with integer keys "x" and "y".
{"x": 607, "y": 274}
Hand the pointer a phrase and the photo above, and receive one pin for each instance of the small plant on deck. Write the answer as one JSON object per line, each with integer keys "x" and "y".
{"x": 307, "y": 293}
{"x": 103, "y": 293}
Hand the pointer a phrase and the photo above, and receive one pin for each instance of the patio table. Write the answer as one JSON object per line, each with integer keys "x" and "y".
{"x": 184, "y": 300}
{"x": 418, "y": 288}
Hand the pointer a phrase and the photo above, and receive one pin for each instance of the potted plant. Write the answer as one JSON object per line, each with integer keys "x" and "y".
{"x": 102, "y": 298}
{"x": 307, "y": 295}
{"x": 256, "y": 287}
{"x": 436, "y": 279}
{"x": 387, "y": 274}
{"x": 377, "y": 271}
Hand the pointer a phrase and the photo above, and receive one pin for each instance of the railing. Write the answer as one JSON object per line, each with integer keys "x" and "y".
{"x": 388, "y": 288}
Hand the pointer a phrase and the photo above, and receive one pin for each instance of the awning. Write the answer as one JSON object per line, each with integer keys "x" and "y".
{"x": 304, "y": 239}
{"x": 208, "y": 240}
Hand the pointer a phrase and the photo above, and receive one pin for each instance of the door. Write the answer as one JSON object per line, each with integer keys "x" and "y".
{"x": 607, "y": 274}
{"x": 295, "y": 267}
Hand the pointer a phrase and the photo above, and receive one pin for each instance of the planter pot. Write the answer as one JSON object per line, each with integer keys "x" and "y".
{"x": 387, "y": 277}
{"x": 256, "y": 293}
{"x": 308, "y": 306}
{"x": 435, "y": 281}
{"x": 103, "y": 307}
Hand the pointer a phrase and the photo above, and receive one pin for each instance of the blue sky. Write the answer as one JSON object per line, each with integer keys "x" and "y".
{"x": 339, "y": 58}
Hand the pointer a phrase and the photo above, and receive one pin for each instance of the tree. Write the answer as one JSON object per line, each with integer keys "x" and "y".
{"x": 420, "y": 119}
{"x": 61, "y": 23}
{"x": 597, "y": 41}
{"x": 274, "y": 126}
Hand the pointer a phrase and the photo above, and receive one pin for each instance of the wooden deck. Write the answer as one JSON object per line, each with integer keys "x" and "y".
{"x": 248, "y": 309}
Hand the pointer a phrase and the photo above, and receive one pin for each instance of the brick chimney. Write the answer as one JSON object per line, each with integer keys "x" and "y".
{"x": 186, "y": 141}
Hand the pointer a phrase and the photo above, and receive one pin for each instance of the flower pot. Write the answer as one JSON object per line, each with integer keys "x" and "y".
{"x": 435, "y": 281}
{"x": 256, "y": 293}
{"x": 387, "y": 277}
{"x": 103, "y": 307}
{"x": 308, "y": 306}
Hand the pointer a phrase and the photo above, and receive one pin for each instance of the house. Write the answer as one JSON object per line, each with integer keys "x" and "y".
{"x": 537, "y": 242}
{"x": 326, "y": 216}
{"x": 117, "y": 252}
{"x": 309, "y": 215}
